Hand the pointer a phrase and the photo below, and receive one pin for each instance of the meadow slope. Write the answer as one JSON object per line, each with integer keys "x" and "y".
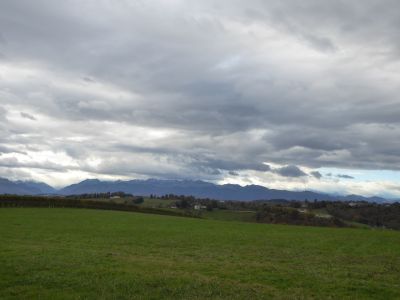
{"x": 56, "y": 253}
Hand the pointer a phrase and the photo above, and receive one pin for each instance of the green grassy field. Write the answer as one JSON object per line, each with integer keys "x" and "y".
{"x": 93, "y": 254}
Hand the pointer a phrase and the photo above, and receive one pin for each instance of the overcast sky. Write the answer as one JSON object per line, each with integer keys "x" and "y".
{"x": 287, "y": 94}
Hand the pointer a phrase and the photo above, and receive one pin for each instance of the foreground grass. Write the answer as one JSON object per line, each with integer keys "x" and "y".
{"x": 81, "y": 254}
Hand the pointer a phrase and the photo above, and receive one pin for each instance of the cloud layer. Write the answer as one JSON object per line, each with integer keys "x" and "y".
{"x": 257, "y": 91}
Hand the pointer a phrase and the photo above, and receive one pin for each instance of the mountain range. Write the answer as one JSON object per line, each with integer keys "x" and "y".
{"x": 25, "y": 187}
{"x": 199, "y": 189}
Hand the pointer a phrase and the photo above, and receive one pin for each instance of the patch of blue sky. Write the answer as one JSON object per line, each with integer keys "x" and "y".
{"x": 362, "y": 175}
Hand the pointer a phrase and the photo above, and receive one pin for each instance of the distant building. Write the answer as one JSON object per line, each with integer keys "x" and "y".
{"x": 115, "y": 197}
{"x": 198, "y": 207}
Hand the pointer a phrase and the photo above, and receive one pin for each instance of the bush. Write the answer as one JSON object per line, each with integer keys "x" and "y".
{"x": 138, "y": 200}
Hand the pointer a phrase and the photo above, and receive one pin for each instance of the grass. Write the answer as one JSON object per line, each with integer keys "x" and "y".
{"x": 91, "y": 254}
{"x": 157, "y": 203}
{"x": 229, "y": 215}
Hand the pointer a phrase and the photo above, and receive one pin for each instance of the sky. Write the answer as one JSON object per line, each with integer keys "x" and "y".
{"x": 297, "y": 95}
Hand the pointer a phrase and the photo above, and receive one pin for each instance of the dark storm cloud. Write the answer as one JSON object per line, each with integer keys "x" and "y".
{"x": 316, "y": 174}
{"x": 235, "y": 84}
{"x": 290, "y": 171}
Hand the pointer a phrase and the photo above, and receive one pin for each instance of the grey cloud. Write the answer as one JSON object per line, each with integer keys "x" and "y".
{"x": 15, "y": 163}
{"x": 15, "y": 174}
{"x": 349, "y": 21}
{"x": 344, "y": 176}
{"x": 298, "y": 84}
{"x": 2, "y": 39}
{"x": 8, "y": 150}
{"x": 316, "y": 174}
{"x": 290, "y": 171}
{"x": 88, "y": 79}
{"x": 321, "y": 43}
{"x": 233, "y": 165}
{"x": 28, "y": 116}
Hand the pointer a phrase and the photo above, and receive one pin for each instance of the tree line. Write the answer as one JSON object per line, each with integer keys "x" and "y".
{"x": 53, "y": 202}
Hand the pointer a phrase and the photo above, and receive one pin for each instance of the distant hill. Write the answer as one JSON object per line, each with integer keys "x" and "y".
{"x": 199, "y": 189}
{"x": 361, "y": 198}
{"x": 25, "y": 187}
